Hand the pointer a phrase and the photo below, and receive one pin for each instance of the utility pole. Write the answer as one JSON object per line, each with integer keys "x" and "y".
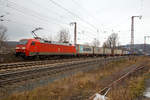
{"x": 75, "y": 32}
{"x": 132, "y": 33}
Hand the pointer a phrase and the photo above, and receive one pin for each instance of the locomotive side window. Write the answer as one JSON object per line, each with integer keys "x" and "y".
{"x": 41, "y": 41}
{"x": 33, "y": 43}
{"x": 23, "y": 42}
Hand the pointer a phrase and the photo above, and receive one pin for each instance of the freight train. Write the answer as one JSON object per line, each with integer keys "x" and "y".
{"x": 41, "y": 48}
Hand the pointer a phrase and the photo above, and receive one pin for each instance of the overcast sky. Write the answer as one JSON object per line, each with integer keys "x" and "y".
{"x": 95, "y": 18}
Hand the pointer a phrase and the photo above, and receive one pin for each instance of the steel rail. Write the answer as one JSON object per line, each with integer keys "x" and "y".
{"x": 9, "y": 66}
{"x": 11, "y": 77}
{"x": 23, "y": 64}
{"x": 117, "y": 81}
{"x": 39, "y": 74}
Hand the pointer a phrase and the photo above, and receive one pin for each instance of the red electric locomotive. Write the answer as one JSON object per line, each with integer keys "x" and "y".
{"x": 39, "y": 47}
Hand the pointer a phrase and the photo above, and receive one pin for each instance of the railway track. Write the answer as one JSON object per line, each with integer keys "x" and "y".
{"x": 38, "y": 71}
{"x": 128, "y": 72}
{"x": 24, "y": 65}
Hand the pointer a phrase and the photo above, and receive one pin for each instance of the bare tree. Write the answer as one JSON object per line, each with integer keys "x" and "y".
{"x": 3, "y": 36}
{"x": 64, "y": 36}
{"x": 105, "y": 45}
{"x": 112, "y": 41}
{"x": 95, "y": 42}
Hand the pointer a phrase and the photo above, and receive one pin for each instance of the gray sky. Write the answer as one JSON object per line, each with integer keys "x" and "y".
{"x": 107, "y": 16}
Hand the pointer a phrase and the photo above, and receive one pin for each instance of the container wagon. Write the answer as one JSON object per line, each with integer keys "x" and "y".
{"x": 84, "y": 50}
{"x": 117, "y": 52}
{"x": 107, "y": 52}
{"x": 98, "y": 51}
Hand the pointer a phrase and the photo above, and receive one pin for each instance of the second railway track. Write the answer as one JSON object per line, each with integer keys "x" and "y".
{"x": 48, "y": 69}
{"x": 24, "y": 65}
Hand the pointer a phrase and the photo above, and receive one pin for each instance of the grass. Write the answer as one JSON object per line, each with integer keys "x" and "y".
{"x": 132, "y": 88}
{"x": 83, "y": 84}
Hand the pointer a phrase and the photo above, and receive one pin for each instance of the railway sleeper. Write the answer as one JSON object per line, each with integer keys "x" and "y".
{"x": 28, "y": 76}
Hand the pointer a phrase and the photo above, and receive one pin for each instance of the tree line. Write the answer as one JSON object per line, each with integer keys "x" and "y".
{"x": 111, "y": 42}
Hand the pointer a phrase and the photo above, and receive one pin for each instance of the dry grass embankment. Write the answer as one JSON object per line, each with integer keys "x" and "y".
{"x": 129, "y": 90}
{"x": 132, "y": 88}
{"x": 81, "y": 85}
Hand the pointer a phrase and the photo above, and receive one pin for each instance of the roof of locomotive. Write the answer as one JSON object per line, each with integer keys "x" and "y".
{"x": 30, "y": 39}
{"x": 49, "y": 42}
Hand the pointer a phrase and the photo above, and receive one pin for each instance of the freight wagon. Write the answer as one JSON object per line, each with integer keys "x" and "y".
{"x": 125, "y": 52}
{"x": 117, "y": 52}
{"x": 84, "y": 50}
{"x": 98, "y": 51}
{"x": 107, "y": 51}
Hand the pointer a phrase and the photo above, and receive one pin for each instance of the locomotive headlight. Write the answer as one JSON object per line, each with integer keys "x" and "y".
{"x": 23, "y": 47}
{"x": 17, "y": 48}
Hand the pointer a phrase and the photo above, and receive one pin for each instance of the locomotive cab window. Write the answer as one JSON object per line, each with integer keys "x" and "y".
{"x": 23, "y": 42}
{"x": 33, "y": 43}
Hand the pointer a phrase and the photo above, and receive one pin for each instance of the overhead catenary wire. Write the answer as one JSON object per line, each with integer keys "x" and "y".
{"x": 82, "y": 31}
{"x": 32, "y": 20}
{"x": 46, "y": 20}
{"x": 33, "y": 14}
{"x": 101, "y": 29}
{"x": 49, "y": 9}
{"x": 75, "y": 15}
{"x": 24, "y": 25}
{"x": 31, "y": 26}
{"x": 93, "y": 17}
{"x": 45, "y": 23}
{"x": 61, "y": 16}
{"x": 90, "y": 15}
{"x": 78, "y": 23}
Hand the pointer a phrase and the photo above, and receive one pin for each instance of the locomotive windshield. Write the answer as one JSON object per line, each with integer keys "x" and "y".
{"x": 23, "y": 42}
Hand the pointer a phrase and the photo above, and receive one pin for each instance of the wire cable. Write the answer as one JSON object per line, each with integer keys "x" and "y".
{"x": 57, "y": 4}
{"x": 33, "y": 14}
